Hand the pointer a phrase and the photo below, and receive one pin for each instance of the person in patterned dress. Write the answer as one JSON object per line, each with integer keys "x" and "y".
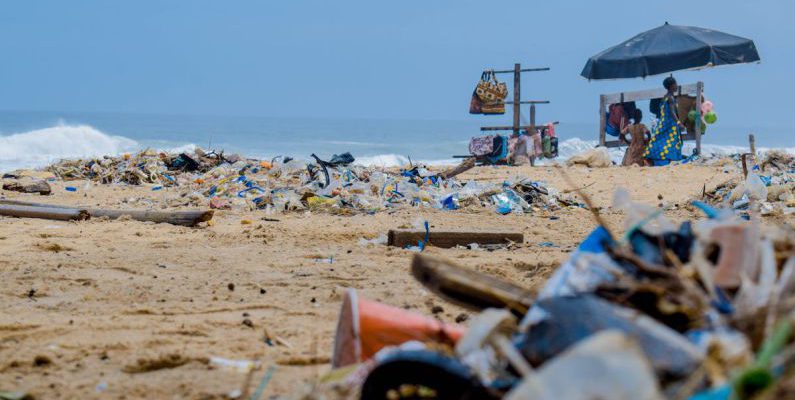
{"x": 665, "y": 144}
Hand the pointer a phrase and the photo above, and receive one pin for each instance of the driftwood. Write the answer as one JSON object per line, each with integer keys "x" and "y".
{"x": 410, "y": 237}
{"x": 28, "y": 185}
{"x": 469, "y": 288}
{"x": 184, "y": 218}
{"x": 465, "y": 165}
{"x": 56, "y": 213}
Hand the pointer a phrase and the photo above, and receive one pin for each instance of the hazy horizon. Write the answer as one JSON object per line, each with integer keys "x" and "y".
{"x": 359, "y": 59}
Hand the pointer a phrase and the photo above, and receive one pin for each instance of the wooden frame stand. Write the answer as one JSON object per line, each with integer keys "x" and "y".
{"x": 696, "y": 89}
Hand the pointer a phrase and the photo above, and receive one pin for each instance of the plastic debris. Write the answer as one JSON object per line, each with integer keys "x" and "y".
{"x": 607, "y": 365}
{"x": 240, "y": 366}
{"x": 700, "y": 310}
{"x": 594, "y": 158}
{"x": 284, "y": 184}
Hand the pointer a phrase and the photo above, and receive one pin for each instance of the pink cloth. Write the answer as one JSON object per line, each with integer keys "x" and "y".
{"x": 551, "y": 129}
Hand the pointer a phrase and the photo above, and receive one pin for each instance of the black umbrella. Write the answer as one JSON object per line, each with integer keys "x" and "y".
{"x": 670, "y": 48}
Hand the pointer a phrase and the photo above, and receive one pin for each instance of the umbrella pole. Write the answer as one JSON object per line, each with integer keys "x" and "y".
{"x": 602, "y": 121}
{"x": 699, "y": 100}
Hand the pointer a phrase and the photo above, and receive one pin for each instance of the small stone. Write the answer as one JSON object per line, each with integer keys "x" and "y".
{"x": 247, "y": 322}
{"x": 231, "y": 287}
{"x": 41, "y": 361}
{"x": 437, "y": 309}
{"x": 262, "y": 291}
{"x": 461, "y": 318}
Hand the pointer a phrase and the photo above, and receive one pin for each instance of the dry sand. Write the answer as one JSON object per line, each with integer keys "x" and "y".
{"x": 125, "y": 309}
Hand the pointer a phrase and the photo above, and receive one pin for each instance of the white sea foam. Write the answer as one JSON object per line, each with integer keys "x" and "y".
{"x": 396, "y": 160}
{"x": 42, "y": 146}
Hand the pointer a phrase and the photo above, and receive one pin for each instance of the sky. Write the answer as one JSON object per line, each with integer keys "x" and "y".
{"x": 405, "y": 59}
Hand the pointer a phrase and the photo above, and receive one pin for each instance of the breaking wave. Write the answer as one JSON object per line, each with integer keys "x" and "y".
{"x": 43, "y": 146}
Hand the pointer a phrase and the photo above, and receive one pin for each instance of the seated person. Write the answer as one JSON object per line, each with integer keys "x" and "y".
{"x": 639, "y": 138}
{"x": 617, "y": 117}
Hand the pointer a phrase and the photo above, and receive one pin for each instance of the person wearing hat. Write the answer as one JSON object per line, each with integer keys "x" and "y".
{"x": 665, "y": 144}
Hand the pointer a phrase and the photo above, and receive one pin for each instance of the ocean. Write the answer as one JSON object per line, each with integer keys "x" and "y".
{"x": 34, "y": 139}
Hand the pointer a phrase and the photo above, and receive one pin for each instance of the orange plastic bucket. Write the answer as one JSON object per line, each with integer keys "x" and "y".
{"x": 365, "y": 327}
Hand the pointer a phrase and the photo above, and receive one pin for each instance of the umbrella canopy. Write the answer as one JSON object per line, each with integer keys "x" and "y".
{"x": 670, "y": 48}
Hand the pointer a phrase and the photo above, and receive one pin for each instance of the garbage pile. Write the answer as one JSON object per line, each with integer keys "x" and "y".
{"x": 769, "y": 184}
{"x": 699, "y": 310}
{"x": 284, "y": 184}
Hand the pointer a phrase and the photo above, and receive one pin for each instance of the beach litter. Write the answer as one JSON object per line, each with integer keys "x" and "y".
{"x": 284, "y": 184}
{"x": 693, "y": 310}
{"x": 769, "y": 185}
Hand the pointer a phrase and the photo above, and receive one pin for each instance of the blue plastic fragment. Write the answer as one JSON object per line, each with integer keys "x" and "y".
{"x": 708, "y": 210}
{"x": 720, "y": 393}
{"x": 70, "y": 189}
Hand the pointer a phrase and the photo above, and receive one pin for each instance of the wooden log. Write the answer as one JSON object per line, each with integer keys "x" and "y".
{"x": 468, "y": 288}
{"x": 465, "y": 165}
{"x": 184, "y": 218}
{"x": 447, "y": 239}
{"x": 56, "y": 213}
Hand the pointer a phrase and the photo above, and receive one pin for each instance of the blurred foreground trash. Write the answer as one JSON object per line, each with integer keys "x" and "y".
{"x": 696, "y": 310}
{"x": 364, "y": 327}
{"x": 606, "y": 365}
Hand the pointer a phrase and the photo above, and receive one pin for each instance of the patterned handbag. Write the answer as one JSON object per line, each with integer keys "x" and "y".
{"x": 492, "y": 93}
{"x": 475, "y": 104}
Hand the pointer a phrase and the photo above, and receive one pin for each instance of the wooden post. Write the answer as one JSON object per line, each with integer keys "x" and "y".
{"x": 752, "y": 143}
{"x": 752, "y": 146}
{"x": 699, "y": 99}
{"x": 602, "y": 120}
{"x": 517, "y": 73}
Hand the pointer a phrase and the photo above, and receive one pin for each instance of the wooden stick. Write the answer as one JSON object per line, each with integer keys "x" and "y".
{"x": 447, "y": 239}
{"x": 752, "y": 143}
{"x": 465, "y": 165}
{"x": 56, "y": 213}
{"x": 184, "y": 218}
{"x": 469, "y": 288}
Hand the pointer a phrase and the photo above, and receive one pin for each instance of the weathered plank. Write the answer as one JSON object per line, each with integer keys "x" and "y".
{"x": 56, "y": 213}
{"x": 447, "y": 239}
{"x": 469, "y": 288}
{"x": 648, "y": 94}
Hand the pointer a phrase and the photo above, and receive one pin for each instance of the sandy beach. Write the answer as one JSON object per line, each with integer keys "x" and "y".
{"x": 127, "y": 309}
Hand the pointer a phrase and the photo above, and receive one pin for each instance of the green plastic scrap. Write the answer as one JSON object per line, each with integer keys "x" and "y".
{"x": 759, "y": 377}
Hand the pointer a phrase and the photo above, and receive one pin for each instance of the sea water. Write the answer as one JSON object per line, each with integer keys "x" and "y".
{"x": 34, "y": 139}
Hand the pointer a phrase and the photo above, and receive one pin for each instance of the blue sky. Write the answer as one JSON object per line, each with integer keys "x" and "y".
{"x": 373, "y": 59}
